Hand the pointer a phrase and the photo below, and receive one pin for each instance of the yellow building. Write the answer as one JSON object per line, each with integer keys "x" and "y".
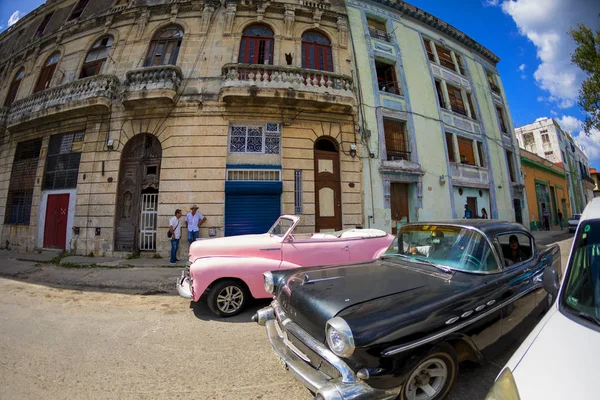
{"x": 546, "y": 188}
{"x": 114, "y": 113}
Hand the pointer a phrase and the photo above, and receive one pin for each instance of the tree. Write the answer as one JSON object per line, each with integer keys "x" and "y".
{"x": 587, "y": 57}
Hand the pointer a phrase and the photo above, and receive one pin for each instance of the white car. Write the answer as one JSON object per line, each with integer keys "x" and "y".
{"x": 559, "y": 359}
{"x": 573, "y": 222}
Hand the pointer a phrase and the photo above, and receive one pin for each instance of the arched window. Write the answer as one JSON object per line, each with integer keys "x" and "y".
{"x": 165, "y": 46}
{"x": 316, "y": 51}
{"x": 47, "y": 72}
{"x": 96, "y": 56}
{"x": 257, "y": 45}
{"x": 14, "y": 87}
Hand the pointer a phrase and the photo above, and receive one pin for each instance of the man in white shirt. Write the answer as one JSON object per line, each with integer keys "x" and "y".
{"x": 175, "y": 229}
{"x": 194, "y": 219}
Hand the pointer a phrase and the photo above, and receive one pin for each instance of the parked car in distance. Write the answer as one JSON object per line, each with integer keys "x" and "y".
{"x": 443, "y": 293}
{"x": 559, "y": 359}
{"x": 230, "y": 269}
{"x": 573, "y": 222}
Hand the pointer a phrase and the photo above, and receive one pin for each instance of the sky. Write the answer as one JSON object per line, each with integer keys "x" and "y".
{"x": 530, "y": 37}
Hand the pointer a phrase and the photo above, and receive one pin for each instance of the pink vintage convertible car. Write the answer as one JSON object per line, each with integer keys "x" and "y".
{"x": 230, "y": 269}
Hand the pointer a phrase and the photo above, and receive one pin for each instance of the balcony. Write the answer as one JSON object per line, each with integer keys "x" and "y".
{"x": 86, "y": 96}
{"x": 588, "y": 182}
{"x": 469, "y": 175}
{"x": 3, "y": 116}
{"x": 399, "y": 163}
{"x": 260, "y": 84}
{"x": 151, "y": 86}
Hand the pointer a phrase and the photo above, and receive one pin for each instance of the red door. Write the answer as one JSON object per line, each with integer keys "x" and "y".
{"x": 55, "y": 229}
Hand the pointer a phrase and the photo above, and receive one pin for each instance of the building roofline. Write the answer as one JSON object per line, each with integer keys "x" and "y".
{"x": 441, "y": 26}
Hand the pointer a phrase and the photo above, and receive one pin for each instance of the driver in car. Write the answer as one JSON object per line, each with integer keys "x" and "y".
{"x": 437, "y": 249}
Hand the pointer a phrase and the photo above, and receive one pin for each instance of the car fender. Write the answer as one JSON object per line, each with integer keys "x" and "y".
{"x": 205, "y": 271}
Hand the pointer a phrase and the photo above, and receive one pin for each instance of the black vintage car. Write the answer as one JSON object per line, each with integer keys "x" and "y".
{"x": 398, "y": 327}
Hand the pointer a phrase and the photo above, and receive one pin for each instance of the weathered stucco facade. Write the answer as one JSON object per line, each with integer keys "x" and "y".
{"x": 247, "y": 110}
{"x": 435, "y": 120}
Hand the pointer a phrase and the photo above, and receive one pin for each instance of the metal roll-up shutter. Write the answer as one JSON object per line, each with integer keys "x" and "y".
{"x": 251, "y": 207}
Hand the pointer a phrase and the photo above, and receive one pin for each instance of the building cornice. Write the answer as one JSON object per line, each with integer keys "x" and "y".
{"x": 534, "y": 164}
{"x": 441, "y": 26}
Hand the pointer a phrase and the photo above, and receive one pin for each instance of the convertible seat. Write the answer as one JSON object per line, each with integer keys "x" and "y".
{"x": 362, "y": 233}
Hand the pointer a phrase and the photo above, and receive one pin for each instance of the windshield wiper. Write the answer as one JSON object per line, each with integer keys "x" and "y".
{"x": 589, "y": 317}
{"x": 438, "y": 266}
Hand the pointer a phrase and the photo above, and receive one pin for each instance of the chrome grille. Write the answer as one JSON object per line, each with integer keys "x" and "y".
{"x": 316, "y": 360}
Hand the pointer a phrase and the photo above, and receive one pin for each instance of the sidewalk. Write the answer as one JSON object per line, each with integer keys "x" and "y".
{"x": 545, "y": 237}
{"x": 140, "y": 276}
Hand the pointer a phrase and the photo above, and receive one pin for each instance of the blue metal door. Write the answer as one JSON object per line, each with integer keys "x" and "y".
{"x": 251, "y": 207}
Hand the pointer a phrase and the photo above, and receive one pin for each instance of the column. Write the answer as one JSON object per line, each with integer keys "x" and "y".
{"x": 456, "y": 68}
{"x": 463, "y": 93}
{"x": 476, "y": 153}
{"x": 434, "y": 51}
{"x": 456, "y": 151}
{"x": 446, "y": 96}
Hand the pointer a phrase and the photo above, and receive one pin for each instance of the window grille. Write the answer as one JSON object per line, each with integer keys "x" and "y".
{"x": 62, "y": 162}
{"x": 268, "y": 175}
{"x": 255, "y": 139}
{"x": 22, "y": 181}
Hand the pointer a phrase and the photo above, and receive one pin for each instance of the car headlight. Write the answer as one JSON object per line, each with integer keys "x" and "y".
{"x": 339, "y": 337}
{"x": 269, "y": 283}
{"x": 504, "y": 388}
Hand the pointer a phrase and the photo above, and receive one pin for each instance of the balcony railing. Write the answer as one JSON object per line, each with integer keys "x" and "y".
{"x": 275, "y": 81}
{"x": 378, "y": 34}
{"x": 464, "y": 173}
{"x": 588, "y": 179}
{"x": 397, "y": 155}
{"x": 152, "y": 84}
{"x": 65, "y": 98}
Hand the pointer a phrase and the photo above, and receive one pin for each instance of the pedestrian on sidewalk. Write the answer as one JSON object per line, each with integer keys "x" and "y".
{"x": 546, "y": 217}
{"x": 175, "y": 229}
{"x": 560, "y": 220}
{"x": 468, "y": 212}
{"x": 194, "y": 219}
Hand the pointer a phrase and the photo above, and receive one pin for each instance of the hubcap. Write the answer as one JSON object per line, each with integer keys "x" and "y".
{"x": 230, "y": 299}
{"x": 427, "y": 381}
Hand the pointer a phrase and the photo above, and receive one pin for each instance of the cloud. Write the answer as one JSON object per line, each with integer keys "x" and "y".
{"x": 541, "y": 98}
{"x": 522, "y": 69}
{"x": 541, "y": 119}
{"x": 569, "y": 123}
{"x": 553, "y": 112}
{"x": 14, "y": 18}
{"x": 546, "y": 23}
{"x": 488, "y": 3}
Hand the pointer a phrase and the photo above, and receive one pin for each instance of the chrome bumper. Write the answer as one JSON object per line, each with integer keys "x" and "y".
{"x": 184, "y": 285}
{"x": 348, "y": 386}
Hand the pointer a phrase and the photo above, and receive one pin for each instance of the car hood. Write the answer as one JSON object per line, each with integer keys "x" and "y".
{"x": 563, "y": 352}
{"x": 367, "y": 295}
{"x": 246, "y": 245}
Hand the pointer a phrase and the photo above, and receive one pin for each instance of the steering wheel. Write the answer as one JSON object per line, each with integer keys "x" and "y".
{"x": 469, "y": 259}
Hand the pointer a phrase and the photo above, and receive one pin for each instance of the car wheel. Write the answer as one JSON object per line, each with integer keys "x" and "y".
{"x": 433, "y": 377}
{"x": 227, "y": 298}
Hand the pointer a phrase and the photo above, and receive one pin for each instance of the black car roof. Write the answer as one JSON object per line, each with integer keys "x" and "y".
{"x": 487, "y": 226}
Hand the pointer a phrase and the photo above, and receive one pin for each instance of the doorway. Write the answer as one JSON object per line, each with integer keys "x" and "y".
{"x": 399, "y": 204}
{"x": 55, "y": 227}
{"x": 328, "y": 191}
{"x": 137, "y": 197}
{"x": 472, "y": 205}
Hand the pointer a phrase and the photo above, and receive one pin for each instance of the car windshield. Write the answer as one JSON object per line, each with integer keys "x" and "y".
{"x": 576, "y": 217}
{"x": 581, "y": 290}
{"x": 451, "y": 246}
{"x": 281, "y": 226}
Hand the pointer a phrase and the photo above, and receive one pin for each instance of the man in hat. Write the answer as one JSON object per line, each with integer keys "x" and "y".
{"x": 194, "y": 219}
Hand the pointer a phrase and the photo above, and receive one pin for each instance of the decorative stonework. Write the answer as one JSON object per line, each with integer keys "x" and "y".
{"x": 450, "y": 76}
{"x": 141, "y": 23}
{"x": 460, "y": 122}
{"x": 50, "y": 101}
{"x": 206, "y": 16}
{"x": 164, "y": 77}
{"x": 469, "y": 175}
{"x": 317, "y": 15}
{"x": 289, "y": 19}
{"x": 342, "y": 25}
{"x": 229, "y": 17}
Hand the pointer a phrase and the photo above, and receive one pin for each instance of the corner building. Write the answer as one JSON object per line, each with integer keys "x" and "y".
{"x": 115, "y": 113}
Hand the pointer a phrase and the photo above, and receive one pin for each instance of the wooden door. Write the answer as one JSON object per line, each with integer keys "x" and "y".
{"x": 140, "y": 168}
{"x": 328, "y": 192}
{"x": 55, "y": 228}
{"x": 399, "y": 204}
{"x": 472, "y": 205}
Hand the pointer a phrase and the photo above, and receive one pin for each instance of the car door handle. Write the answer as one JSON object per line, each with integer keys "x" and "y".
{"x": 345, "y": 248}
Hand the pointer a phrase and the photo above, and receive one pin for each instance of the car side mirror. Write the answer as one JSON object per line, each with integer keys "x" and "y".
{"x": 551, "y": 282}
